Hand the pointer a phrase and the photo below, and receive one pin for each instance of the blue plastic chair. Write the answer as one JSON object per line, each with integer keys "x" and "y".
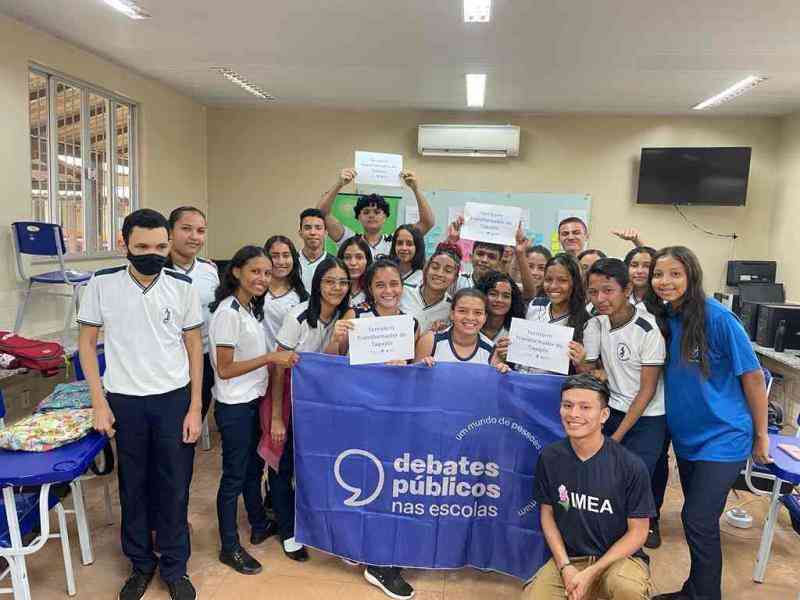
{"x": 45, "y": 239}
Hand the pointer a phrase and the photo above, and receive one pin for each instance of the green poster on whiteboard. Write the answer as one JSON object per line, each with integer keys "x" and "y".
{"x": 343, "y": 210}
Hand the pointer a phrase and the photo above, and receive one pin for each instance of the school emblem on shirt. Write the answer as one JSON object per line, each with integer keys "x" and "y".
{"x": 166, "y": 315}
{"x": 563, "y": 497}
{"x": 623, "y": 352}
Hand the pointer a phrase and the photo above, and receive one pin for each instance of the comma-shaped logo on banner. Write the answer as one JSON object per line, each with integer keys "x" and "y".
{"x": 356, "y": 499}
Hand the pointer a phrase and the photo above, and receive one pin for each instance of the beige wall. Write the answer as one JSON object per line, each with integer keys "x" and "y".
{"x": 783, "y": 236}
{"x": 172, "y": 141}
{"x": 266, "y": 165}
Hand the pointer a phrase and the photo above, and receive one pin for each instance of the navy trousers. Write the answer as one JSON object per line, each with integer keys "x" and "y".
{"x": 645, "y": 439}
{"x": 281, "y": 490}
{"x": 242, "y": 470}
{"x": 150, "y": 450}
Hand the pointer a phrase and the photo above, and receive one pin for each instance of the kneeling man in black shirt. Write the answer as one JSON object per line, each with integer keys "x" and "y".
{"x": 595, "y": 504}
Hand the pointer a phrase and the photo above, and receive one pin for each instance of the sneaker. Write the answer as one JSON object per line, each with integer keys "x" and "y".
{"x": 654, "y": 536}
{"x": 294, "y": 550}
{"x": 135, "y": 586}
{"x": 390, "y": 580}
{"x": 181, "y": 589}
{"x": 239, "y": 560}
{"x": 257, "y": 537}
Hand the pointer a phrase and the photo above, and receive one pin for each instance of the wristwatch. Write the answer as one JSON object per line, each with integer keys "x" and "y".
{"x": 564, "y": 566}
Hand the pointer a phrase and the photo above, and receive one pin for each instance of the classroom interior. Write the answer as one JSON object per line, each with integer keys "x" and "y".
{"x": 588, "y": 86}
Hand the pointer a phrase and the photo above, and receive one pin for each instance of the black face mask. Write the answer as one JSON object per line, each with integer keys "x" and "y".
{"x": 147, "y": 264}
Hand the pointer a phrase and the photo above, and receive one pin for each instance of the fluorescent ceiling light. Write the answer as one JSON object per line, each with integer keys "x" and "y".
{"x": 737, "y": 89}
{"x": 243, "y": 83}
{"x": 477, "y": 11}
{"x": 476, "y": 89}
{"x": 128, "y": 8}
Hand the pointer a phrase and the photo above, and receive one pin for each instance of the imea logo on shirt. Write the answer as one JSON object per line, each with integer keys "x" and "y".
{"x": 567, "y": 500}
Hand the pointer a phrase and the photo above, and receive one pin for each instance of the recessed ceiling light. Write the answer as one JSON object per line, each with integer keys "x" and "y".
{"x": 737, "y": 89}
{"x": 128, "y": 8}
{"x": 477, "y": 11}
{"x": 476, "y": 89}
{"x": 243, "y": 83}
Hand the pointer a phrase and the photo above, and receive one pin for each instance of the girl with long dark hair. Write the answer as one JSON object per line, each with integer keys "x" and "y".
{"x": 286, "y": 289}
{"x": 239, "y": 359}
{"x": 408, "y": 247}
{"x": 716, "y": 404}
{"x": 638, "y": 261}
{"x": 357, "y": 256}
{"x": 563, "y": 303}
{"x": 429, "y": 301}
{"x": 307, "y": 327}
{"x": 504, "y": 302}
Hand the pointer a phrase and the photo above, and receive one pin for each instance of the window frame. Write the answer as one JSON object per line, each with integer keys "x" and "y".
{"x": 55, "y": 77}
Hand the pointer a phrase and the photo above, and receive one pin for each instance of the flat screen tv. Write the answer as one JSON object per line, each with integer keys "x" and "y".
{"x": 710, "y": 176}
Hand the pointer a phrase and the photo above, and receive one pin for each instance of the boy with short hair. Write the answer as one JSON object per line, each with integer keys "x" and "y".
{"x": 312, "y": 231}
{"x": 595, "y": 503}
{"x": 151, "y": 317}
{"x": 372, "y": 211}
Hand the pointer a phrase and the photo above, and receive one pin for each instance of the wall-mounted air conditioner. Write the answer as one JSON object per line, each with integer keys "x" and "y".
{"x": 495, "y": 141}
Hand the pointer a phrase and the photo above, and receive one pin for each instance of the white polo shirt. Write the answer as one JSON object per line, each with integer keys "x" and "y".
{"x": 539, "y": 311}
{"x": 357, "y": 300}
{"x": 309, "y": 267}
{"x": 465, "y": 281}
{"x": 234, "y": 326}
{"x": 413, "y": 277}
{"x": 412, "y": 303}
{"x": 143, "y": 328}
{"x": 625, "y": 350}
{"x": 383, "y": 245}
{"x": 205, "y": 279}
{"x": 275, "y": 310}
{"x": 298, "y": 335}
{"x": 443, "y": 350}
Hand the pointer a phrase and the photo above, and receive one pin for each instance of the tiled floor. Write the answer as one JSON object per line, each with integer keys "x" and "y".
{"x": 327, "y": 578}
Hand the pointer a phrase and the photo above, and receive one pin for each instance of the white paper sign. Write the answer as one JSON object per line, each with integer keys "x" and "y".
{"x": 380, "y": 339}
{"x": 491, "y": 223}
{"x": 376, "y": 168}
{"x": 540, "y": 345}
{"x": 412, "y": 214}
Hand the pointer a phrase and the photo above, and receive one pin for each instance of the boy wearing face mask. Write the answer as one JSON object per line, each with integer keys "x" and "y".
{"x": 150, "y": 395}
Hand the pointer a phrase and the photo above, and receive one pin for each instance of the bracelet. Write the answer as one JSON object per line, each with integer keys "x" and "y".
{"x": 564, "y": 566}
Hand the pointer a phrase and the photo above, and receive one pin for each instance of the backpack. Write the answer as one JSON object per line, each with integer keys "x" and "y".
{"x": 47, "y": 357}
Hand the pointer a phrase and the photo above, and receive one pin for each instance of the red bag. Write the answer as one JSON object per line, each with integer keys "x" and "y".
{"x": 47, "y": 357}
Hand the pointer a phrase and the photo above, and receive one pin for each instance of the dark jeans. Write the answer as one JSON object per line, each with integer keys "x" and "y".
{"x": 150, "y": 448}
{"x": 705, "y": 489}
{"x": 661, "y": 476}
{"x": 281, "y": 490}
{"x": 645, "y": 439}
{"x": 242, "y": 469}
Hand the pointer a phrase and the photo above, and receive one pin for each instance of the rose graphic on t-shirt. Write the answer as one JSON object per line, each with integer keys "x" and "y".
{"x": 563, "y": 497}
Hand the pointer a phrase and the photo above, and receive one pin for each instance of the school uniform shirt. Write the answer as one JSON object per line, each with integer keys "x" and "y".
{"x": 382, "y": 246}
{"x": 413, "y": 278}
{"x": 297, "y": 334}
{"x": 234, "y": 326}
{"x": 309, "y": 267}
{"x": 465, "y": 280}
{"x": 275, "y": 310}
{"x": 592, "y": 499}
{"x": 412, "y": 303}
{"x": 709, "y": 418}
{"x": 366, "y": 311}
{"x": 444, "y": 351}
{"x": 143, "y": 328}
{"x": 205, "y": 279}
{"x": 502, "y": 332}
{"x": 625, "y": 350}
{"x": 358, "y": 299}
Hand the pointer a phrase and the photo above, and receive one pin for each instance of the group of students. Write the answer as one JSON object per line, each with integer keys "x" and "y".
{"x": 652, "y": 361}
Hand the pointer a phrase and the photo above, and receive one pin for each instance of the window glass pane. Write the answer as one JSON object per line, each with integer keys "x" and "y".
{"x": 39, "y": 126}
{"x": 69, "y": 200}
{"x": 99, "y": 171}
{"x": 122, "y": 167}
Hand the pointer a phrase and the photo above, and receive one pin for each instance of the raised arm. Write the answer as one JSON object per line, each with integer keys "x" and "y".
{"x": 426, "y": 217}
{"x": 629, "y": 235}
{"x": 325, "y": 204}
{"x": 529, "y": 288}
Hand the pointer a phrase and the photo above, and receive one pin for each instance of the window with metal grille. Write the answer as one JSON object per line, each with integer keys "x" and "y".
{"x": 83, "y": 160}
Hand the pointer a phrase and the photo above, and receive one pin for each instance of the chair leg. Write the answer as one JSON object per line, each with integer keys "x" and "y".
{"x": 65, "y": 550}
{"x": 768, "y": 533}
{"x": 16, "y": 583}
{"x": 82, "y": 523}
{"x": 205, "y": 436}
{"x": 21, "y": 309}
{"x": 73, "y": 303}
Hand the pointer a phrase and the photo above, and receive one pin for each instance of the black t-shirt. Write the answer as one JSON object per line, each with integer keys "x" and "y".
{"x": 592, "y": 500}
